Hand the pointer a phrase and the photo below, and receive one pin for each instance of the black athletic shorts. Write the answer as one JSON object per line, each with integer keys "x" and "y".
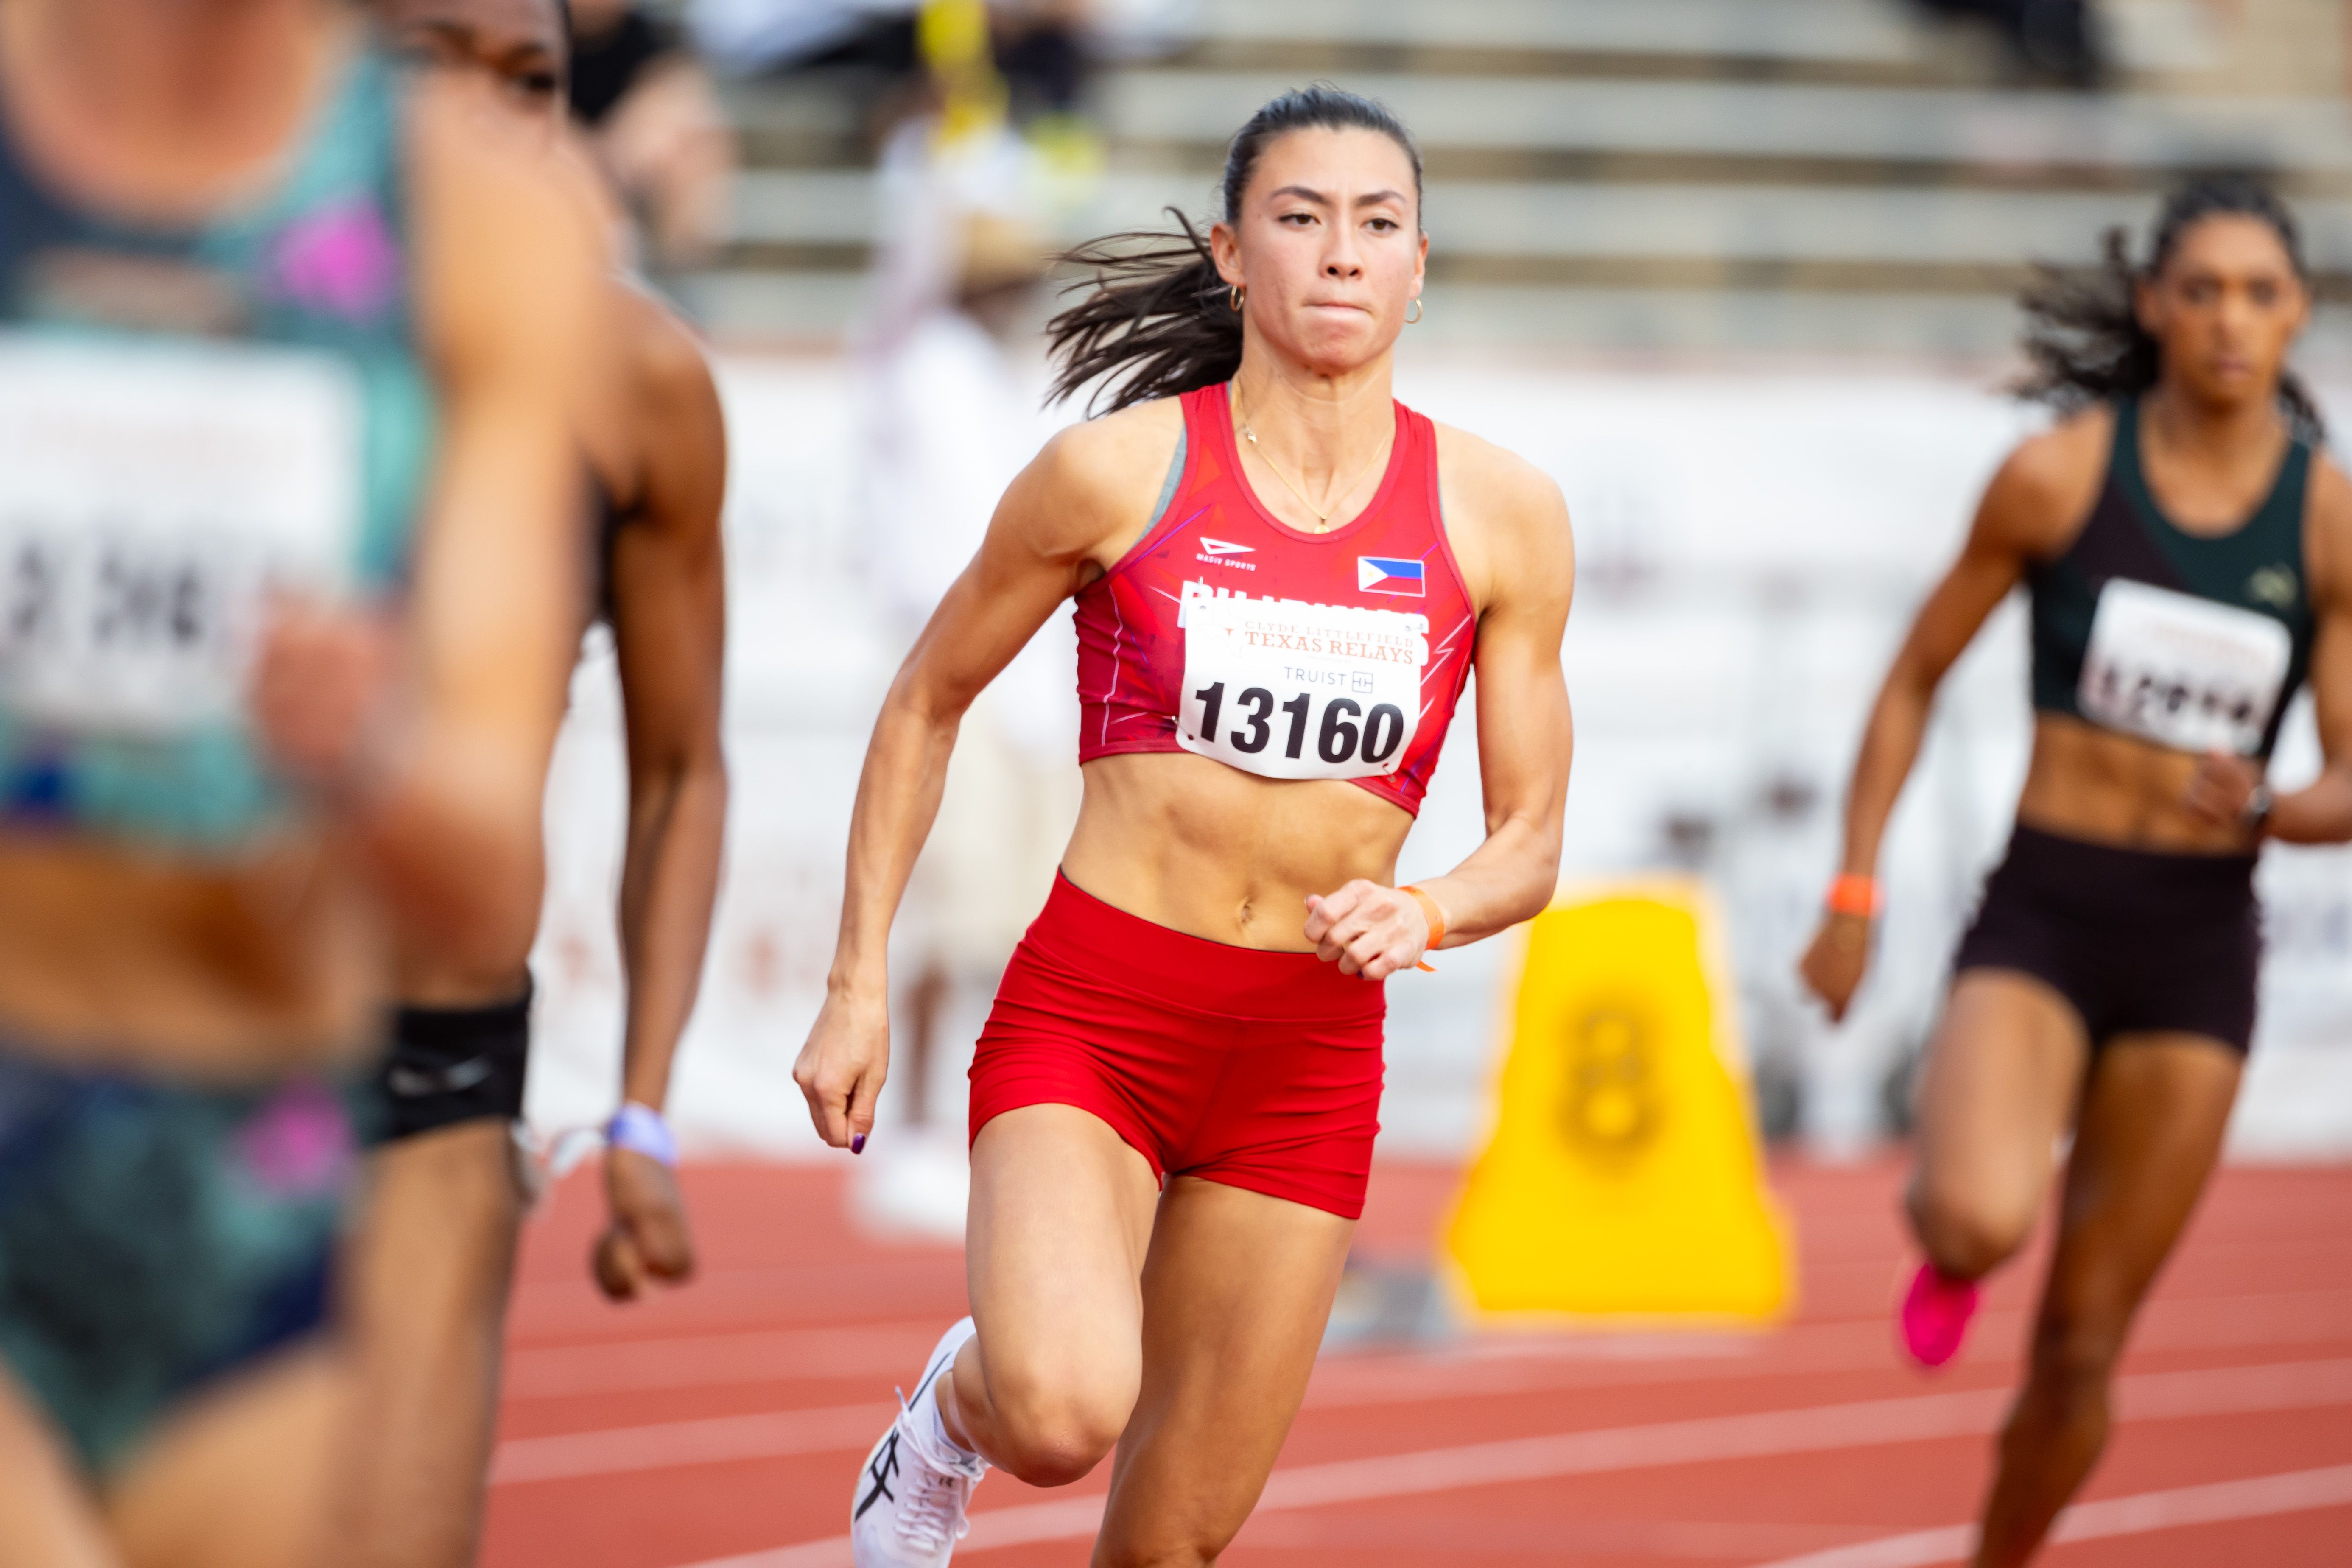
{"x": 2137, "y": 940}
{"x": 456, "y": 1064}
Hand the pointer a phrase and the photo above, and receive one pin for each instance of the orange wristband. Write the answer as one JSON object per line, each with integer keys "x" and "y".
{"x": 1436, "y": 924}
{"x": 1852, "y": 893}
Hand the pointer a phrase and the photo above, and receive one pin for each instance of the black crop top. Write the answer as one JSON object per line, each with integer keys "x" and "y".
{"x": 2258, "y": 566}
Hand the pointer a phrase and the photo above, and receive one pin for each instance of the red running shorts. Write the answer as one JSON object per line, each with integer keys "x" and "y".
{"x": 1259, "y": 1071}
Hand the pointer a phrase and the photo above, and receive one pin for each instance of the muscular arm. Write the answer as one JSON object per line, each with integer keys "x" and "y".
{"x": 669, "y": 626}
{"x": 2322, "y": 813}
{"x": 505, "y": 274}
{"x": 1511, "y": 532}
{"x": 1526, "y": 735}
{"x": 1058, "y": 521}
{"x": 2026, "y": 509}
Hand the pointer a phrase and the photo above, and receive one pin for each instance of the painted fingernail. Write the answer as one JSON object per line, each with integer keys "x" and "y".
{"x": 858, "y": 1144}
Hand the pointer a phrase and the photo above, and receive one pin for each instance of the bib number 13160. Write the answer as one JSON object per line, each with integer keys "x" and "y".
{"x": 1345, "y": 732}
{"x": 1292, "y": 690}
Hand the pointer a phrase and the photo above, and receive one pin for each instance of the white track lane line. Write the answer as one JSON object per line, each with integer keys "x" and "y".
{"x": 1505, "y": 1369}
{"x": 1446, "y": 1372}
{"x": 779, "y": 1356}
{"x": 671, "y": 1445}
{"x": 2295, "y": 1492}
{"x": 2293, "y": 1385}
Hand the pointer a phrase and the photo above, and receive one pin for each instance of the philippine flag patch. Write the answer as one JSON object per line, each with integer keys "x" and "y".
{"x": 1388, "y": 574}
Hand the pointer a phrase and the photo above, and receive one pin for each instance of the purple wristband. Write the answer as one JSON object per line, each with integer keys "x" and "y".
{"x": 640, "y": 1128}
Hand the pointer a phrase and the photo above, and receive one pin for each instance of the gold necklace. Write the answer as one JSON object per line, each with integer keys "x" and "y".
{"x": 1322, "y": 517}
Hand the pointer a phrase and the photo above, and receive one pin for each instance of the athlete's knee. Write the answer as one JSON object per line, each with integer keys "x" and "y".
{"x": 2075, "y": 1349}
{"x": 1175, "y": 1545}
{"x": 1966, "y": 1233}
{"x": 1054, "y": 1426}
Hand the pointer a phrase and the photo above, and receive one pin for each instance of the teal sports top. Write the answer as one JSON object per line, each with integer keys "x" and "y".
{"x": 191, "y": 419}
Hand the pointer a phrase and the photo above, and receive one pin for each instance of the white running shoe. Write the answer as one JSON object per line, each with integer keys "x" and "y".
{"x": 908, "y": 1511}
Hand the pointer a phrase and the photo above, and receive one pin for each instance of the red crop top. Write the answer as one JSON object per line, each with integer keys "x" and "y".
{"x": 1286, "y": 653}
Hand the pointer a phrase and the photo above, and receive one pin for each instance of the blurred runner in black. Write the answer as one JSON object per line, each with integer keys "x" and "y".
{"x": 441, "y": 1248}
{"x": 2187, "y": 550}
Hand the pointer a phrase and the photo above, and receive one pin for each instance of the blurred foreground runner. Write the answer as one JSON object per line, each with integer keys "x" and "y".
{"x": 285, "y": 505}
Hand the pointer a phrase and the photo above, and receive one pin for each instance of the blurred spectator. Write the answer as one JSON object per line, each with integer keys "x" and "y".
{"x": 2057, "y": 39}
{"x": 744, "y": 37}
{"x": 1042, "y": 50}
{"x": 649, "y": 112}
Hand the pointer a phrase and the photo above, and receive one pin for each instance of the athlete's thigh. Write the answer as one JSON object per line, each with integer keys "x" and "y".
{"x": 2001, "y": 1080}
{"x": 2154, "y": 1115}
{"x": 1061, "y": 1216}
{"x": 242, "y": 1477}
{"x": 46, "y": 1516}
{"x": 1238, "y": 1291}
{"x": 430, "y": 1270}
{"x": 433, "y": 1258}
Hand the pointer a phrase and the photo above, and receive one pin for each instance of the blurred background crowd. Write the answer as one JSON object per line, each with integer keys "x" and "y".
{"x": 1739, "y": 274}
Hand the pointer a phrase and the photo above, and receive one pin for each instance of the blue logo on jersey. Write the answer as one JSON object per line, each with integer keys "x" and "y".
{"x": 1387, "y": 574}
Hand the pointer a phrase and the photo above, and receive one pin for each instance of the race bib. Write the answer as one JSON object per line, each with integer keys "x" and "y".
{"x": 1293, "y": 690}
{"x": 150, "y": 499}
{"x": 2182, "y": 671}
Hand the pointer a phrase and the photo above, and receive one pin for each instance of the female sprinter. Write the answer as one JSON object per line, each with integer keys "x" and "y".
{"x": 446, "y": 1210}
{"x": 2187, "y": 553}
{"x": 284, "y": 351}
{"x": 1284, "y": 579}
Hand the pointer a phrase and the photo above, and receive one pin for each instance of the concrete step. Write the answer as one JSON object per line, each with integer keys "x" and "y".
{"x": 2292, "y": 46}
{"x": 1734, "y": 223}
{"x": 1192, "y": 113}
{"x": 1882, "y": 31}
{"x": 1500, "y": 127}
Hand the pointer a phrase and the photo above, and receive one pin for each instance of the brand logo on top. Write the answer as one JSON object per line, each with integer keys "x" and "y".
{"x": 2274, "y": 585}
{"x": 1389, "y": 575}
{"x": 1219, "y": 552}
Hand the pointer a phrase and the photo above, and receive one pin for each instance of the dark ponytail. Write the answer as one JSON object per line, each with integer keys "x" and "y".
{"x": 1156, "y": 315}
{"x": 2083, "y": 338}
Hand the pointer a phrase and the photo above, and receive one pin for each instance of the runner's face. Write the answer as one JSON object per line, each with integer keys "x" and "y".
{"x": 1328, "y": 244}
{"x": 2225, "y": 310}
{"x": 518, "y": 43}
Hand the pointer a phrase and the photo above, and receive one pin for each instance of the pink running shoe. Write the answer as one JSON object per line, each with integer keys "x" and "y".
{"x": 1935, "y": 1315}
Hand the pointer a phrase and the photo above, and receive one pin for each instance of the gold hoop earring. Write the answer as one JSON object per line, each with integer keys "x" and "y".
{"x": 1235, "y": 297}
{"x": 1413, "y": 311}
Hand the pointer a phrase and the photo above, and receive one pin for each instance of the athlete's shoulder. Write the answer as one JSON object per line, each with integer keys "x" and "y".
{"x": 2330, "y": 489}
{"x": 505, "y": 247}
{"x": 1109, "y": 448}
{"x": 2327, "y": 529}
{"x": 1496, "y": 479}
{"x": 1507, "y": 521}
{"x": 1110, "y": 467}
{"x": 666, "y": 365}
{"x": 2060, "y": 468}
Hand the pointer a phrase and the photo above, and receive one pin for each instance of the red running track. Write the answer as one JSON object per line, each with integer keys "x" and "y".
{"x": 724, "y": 1423}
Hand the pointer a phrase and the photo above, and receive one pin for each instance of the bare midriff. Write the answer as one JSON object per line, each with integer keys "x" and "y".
{"x": 1191, "y": 844}
{"x": 148, "y": 963}
{"x": 2093, "y": 783}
